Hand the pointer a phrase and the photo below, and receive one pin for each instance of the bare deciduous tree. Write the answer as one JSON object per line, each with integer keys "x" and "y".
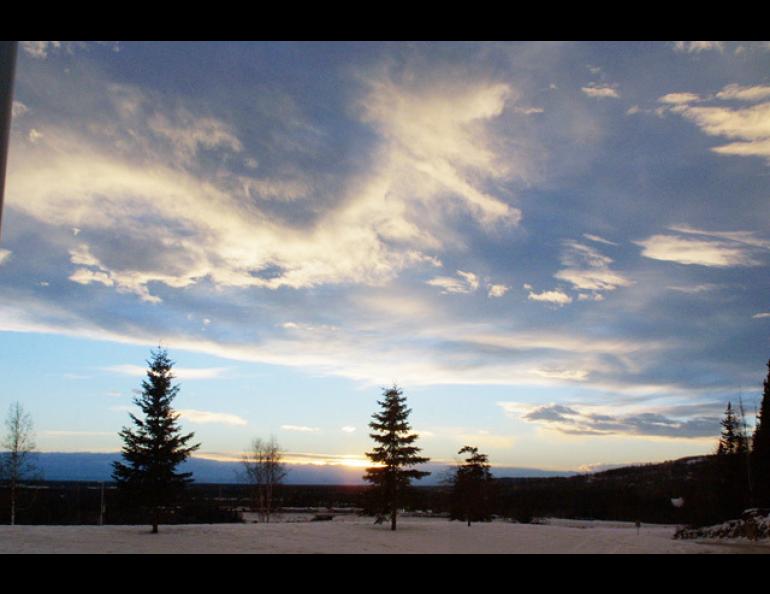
{"x": 264, "y": 470}
{"x": 18, "y": 444}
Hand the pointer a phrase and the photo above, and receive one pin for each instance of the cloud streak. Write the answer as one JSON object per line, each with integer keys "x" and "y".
{"x": 577, "y": 420}
{"x": 718, "y": 249}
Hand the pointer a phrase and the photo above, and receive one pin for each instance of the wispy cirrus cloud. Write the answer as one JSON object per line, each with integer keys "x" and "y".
{"x": 744, "y": 93}
{"x": 181, "y": 373}
{"x": 300, "y": 428}
{"x": 574, "y": 419}
{"x": 206, "y": 227}
{"x": 719, "y": 249}
{"x": 679, "y": 98}
{"x": 204, "y": 417}
{"x": 749, "y": 126}
{"x": 587, "y": 269}
{"x": 466, "y": 283}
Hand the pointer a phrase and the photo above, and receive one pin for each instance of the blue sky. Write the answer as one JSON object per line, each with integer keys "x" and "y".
{"x": 559, "y": 250}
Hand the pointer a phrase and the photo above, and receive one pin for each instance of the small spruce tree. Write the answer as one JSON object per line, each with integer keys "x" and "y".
{"x": 760, "y": 454}
{"x": 154, "y": 447}
{"x": 395, "y": 454}
{"x": 471, "y": 488}
{"x": 731, "y": 440}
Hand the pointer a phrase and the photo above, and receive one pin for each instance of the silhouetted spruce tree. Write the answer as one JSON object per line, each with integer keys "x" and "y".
{"x": 731, "y": 440}
{"x": 731, "y": 478}
{"x": 760, "y": 454}
{"x": 154, "y": 447}
{"x": 396, "y": 454}
{"x": 472, "y": 488}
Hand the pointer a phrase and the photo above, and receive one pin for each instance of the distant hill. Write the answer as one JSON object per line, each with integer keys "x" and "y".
{"x": 86, "y": 466}
{"x": 674, "y": 492}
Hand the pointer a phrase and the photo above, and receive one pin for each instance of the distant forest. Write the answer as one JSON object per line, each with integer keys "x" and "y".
{"x": 643, "y": 493}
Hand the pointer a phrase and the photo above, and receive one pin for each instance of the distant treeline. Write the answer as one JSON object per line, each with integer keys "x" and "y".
{"x": 642, "y": 493}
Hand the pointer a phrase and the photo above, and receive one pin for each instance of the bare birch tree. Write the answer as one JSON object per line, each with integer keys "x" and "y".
{"x": 264, "y": 470}
{"x": 18, "y": 444}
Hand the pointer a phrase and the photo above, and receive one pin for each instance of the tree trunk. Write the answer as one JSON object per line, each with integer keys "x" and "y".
{"x": 393, "y": 515}
{"x": 13, "y": 503}
{"x": 155, "y": 521}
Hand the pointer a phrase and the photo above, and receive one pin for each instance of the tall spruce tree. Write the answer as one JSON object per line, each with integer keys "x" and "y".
{"x": 471, "y": 488}
{"x": 154, "y": 447}
{"x": 395, "y": 454}
{"x": 760, "y": 454}
{"x": 729, "y": 466}
{"x": 731, "y": 440}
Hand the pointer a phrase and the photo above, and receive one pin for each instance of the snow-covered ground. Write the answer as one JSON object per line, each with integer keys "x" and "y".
{"x": 347, "y": 534}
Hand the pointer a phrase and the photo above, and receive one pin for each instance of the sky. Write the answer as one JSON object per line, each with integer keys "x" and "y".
{"x": 559, "y": 251}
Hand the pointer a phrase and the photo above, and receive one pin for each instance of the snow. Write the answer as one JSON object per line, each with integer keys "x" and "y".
{"x": 351, "y": 534}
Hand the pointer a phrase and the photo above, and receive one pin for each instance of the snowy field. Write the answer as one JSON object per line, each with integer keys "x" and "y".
{"x": 360, "y": 535}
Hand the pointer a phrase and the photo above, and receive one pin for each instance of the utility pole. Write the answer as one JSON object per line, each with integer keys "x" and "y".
{"x": 7, "y": 69}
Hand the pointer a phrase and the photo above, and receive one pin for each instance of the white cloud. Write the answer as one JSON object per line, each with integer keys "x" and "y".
{"x": 39, "y": 49}
{"x": 760, "y": 316}
{"x": 679, "y": 98}
{"x": 726, "y": 249}
{"x": 5, "y": 255}
{"x": 587, "y": 269}
{"x": 528, "y": 110}
{"x": 438, "y": 138}
{"x": 467, "y": 283}
{"x": 181, "y": 373}
{"x": 204, "y": 417}
{"x": 135, "y": 177}
{"x": 601, "y": 91}
{"x": 84, "y": 276}
{"x": 749, "y": 125}
{"x": 577, "y": 375}
{"x": 496, "y": 291}
{"x": 188, "y": 133}
{"x": 555, "y": 297}
{"x": 682, "y": 250}
{"x": 598, "y": 239}
{"x": 741, "y": 93}
{"x": 694, "y": 47}
{"x": 348, "y": 429}
{"x": 300, "y": 428}
{"x": 695, "y": 289}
